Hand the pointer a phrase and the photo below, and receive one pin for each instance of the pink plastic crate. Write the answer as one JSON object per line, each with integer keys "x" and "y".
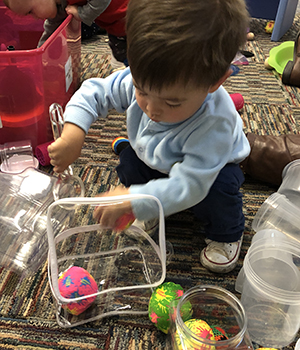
{"x": 32, "y": 78}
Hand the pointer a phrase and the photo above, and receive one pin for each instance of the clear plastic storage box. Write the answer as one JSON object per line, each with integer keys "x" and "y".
{"x": 270, "y": 278}
{"x": 125, "y": 265}
{"x": 33, "y": 78}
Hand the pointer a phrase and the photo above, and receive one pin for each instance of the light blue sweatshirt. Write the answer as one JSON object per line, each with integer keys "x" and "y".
{"x": 191, "y": 152}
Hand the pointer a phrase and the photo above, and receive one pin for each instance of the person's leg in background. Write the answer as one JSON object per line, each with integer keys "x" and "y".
{"x": 118, "y": 46}
{"x": 87, "y": 32}
{"x": 269, "y": 155}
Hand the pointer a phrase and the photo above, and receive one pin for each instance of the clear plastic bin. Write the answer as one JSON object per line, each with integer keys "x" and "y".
{"x": 33, "y": 78}
{"x": 25, "y": 198}
{"x": 126, "y": 265}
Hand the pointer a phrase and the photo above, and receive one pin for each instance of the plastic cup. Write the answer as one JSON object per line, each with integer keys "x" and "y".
{"x": 271, "y": 291}
{"x": 281, "y": 211}
{"x": 278, "y": 213}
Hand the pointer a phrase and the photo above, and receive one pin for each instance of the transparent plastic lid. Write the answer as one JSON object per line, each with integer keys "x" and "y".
{"x": 126, "y": 265}
{"x": 16, "y": 157}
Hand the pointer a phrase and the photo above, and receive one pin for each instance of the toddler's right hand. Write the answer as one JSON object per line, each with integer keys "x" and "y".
{"x": 67, "y": 148}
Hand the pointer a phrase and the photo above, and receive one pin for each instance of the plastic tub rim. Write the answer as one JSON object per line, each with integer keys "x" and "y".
{"x": 39, "y": 50}
{"x": 278, "y": 294}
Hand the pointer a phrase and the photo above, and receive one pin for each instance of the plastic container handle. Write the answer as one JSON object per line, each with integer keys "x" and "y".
{"x": 57, "y": 123}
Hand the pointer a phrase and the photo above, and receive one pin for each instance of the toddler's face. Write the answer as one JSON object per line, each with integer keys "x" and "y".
{"x": 37, "y": 8}
{"x": 171, "y": 105}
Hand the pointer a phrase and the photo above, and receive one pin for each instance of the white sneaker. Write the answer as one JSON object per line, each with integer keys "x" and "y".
{"x": 150, "y": 227}
{"x": 220, "y": 257}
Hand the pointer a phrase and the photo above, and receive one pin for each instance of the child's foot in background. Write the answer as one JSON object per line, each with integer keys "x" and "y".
{"x": 88, "y": 32}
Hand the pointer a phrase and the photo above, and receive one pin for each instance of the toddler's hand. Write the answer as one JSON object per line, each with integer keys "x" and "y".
{"x": 67, "y": 148}
{"x": 73, "y": 10}
{"x": 109, "y": 215}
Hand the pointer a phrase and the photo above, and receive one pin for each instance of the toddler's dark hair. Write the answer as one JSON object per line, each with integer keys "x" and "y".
{"x": 186, "y": 41}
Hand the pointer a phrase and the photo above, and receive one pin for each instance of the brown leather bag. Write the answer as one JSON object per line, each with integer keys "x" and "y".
{"x": 269, "y": 155}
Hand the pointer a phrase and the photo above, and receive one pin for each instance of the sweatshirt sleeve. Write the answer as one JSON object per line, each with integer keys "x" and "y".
{"x": 97, "y": 96}
{"x": 51, "y": 24}
{"x": 91, "y": 10}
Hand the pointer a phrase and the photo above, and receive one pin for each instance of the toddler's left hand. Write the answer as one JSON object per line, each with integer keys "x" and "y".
{"x": 73, "y": 10}
{"x": 107, "y": 215}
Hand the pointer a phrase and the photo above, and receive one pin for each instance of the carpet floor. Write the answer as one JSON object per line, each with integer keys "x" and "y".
{"x": 27, "y": 314}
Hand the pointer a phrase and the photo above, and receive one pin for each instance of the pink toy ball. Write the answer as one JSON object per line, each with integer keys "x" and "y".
{"x": 238, "y": 101}
{"x": 74, "y": 283}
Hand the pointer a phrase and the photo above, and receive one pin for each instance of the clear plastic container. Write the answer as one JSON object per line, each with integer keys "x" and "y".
{"x": 32, "y": 78}
{"x": 280, "y": 214}
{"x": 281, "y": 210}
{"x": 270, "y": 277}
{"x": 290, "y": 186}
{"x": 266, "y": 238}
{"x": 126, "y": 265}
{"x": 218, "y": 308}
{"x": 16, "y": 157}
{"x": 25, "y": 198}
{"x": 271, "y": 290}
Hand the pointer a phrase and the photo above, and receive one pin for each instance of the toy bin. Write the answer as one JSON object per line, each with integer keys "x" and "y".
{"x": 115, "y": 271}
{"x": 33, "y": 78}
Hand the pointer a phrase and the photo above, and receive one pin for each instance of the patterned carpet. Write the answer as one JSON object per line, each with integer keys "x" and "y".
{"x": 26, "y": 306}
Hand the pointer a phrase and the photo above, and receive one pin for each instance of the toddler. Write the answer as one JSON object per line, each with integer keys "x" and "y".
{"x": 185, "y": 136}
{"x": 107, "y": 14}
